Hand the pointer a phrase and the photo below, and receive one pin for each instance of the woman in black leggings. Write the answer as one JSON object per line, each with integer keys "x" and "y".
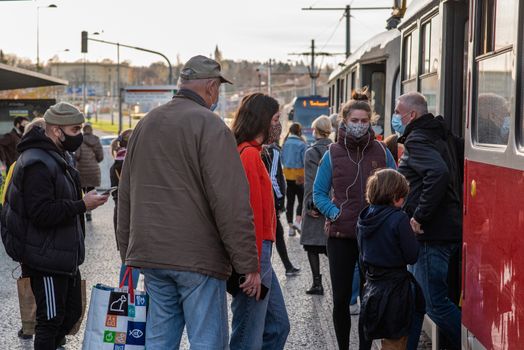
{"x": 343, "y": 172}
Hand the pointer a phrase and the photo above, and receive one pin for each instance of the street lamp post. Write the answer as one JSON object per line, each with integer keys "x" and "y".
{"x": 52, "y": 6}
{"x": 85, "y": 38}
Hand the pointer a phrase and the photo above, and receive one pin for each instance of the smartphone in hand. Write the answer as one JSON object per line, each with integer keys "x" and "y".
{"x": 105, "y": 191}
{"x": 263, "y": 291}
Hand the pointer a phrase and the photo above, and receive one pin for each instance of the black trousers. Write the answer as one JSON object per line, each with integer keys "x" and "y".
{"x": 342, "y": 256}
{"x": 293, "y": 190}
{"x": 58, "y": 307}
{"x": 281, "y": 245}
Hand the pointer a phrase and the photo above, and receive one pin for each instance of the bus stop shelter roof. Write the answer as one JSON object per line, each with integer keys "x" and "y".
{"x": 19, "y": 78}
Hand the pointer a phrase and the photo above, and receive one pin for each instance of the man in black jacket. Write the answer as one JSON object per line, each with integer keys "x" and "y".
{"x": 9, "y": 141}
{"x": 431, "y": 165}
{"x": 42, "y": 221}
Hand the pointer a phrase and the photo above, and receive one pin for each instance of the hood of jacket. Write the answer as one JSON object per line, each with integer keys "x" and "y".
{"x": 325, "y": 141}
{"x": 36, "y": 138}
{"x": 428, "y": 124}
{"x": 90, "y": 139}
{"x": 372, "y": 217}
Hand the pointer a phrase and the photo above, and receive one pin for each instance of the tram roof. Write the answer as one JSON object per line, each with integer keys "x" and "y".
{"x": 19, "y": 78}
{"x": 414, "y": 9}
{"x": 371, "y": 49}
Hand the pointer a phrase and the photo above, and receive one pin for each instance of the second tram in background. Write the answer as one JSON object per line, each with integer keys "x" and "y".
{"x": 467, "y": 58}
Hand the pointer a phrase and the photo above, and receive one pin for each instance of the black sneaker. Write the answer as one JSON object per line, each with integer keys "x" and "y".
{"x": 62, "y": 342}
{"x": 21, "y": 335}
{"x": 292, "y": 271}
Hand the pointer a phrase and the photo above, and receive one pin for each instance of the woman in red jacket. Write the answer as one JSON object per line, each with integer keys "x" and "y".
{"x": 261, "y": 324}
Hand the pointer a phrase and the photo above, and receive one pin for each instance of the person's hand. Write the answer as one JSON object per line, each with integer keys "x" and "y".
{"x": 251, "y": 286}
{"x": 93, "y": 200}
{"x": 416, "y": 226}
{"x": 313, "y": 213}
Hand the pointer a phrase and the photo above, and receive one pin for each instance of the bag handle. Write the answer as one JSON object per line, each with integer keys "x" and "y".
{"x": 128, "y": 275}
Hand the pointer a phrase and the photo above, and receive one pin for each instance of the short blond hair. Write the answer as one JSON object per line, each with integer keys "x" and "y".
{"x": 322, "y": 125}
{"x": 39, "y": 122}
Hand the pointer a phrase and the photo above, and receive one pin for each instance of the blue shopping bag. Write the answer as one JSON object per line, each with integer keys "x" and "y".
{"x": 116, "y": 319}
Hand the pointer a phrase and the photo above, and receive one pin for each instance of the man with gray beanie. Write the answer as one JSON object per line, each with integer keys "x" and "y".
{"x": 42, "y": 221}
{"x": 184, "y": 214}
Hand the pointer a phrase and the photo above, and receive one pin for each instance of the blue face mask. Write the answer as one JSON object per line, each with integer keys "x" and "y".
{"x": 213, "y": 107}
{"x": 504, "y": 131}
{"x": 396, "y": 123}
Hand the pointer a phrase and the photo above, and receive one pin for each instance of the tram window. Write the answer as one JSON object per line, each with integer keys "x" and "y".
{"x": 431, "y": 36}
{"x": 407, "y": 57}
{"x": 497, "y": 24}
{"x": 429, "y": 88}
{"x": 493, "y": 99}
{"x": 409, "y": 86}
{"x": 414, "y": 54}
{"x": 426, "y": 47}
{"x": 378, "y": 84}
{"x": 505, "y": 23}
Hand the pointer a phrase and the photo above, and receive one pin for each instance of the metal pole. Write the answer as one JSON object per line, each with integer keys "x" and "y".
{"x": 269, "y": 89}
{"x": 313, "y": 73}
{"x": 348, "y": 31}
{"x": 84, "y": 96}
{"x": 38, "y": 38}
{"x": 119, "y": 90}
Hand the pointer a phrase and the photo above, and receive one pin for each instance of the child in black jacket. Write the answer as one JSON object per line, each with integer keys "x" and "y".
{"x": 387, "y": 244}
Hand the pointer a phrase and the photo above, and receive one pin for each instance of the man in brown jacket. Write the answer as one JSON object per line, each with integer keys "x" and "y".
{"x": 184, "y": 215}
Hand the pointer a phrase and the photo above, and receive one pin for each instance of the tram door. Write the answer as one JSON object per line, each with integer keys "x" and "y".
{"x": 374, "y": 76}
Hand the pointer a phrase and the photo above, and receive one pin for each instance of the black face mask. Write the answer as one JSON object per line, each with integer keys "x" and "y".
{"x": 71, "y": 143}
{"x": 21, "y": 128}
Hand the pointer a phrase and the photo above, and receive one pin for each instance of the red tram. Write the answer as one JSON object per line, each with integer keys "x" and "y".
{"x": 467, "y": 58}
{"x": 493, "y": 253}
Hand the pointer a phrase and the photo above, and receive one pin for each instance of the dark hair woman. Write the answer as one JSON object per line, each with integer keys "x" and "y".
{"x": 259, "y": 323}
{"x": 343, "y": 171}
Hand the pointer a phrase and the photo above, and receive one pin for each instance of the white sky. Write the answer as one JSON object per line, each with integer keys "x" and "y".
{"x": 243, "y": 29}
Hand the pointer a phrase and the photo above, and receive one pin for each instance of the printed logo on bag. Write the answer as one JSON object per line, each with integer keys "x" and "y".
{"x": 136, "y": 333}
{"x": 118, "y": 304}
{"x": 140, "y": 300}
{"x": 111, "y": 321}
{"x": 120, "y": 338}
{"x": 131, "y": 311}
{"x": 119, "y": 347}
{"x": 109, "y": 337}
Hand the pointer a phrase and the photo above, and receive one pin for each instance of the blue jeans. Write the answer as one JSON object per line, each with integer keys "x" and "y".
{"x": 262, "y": 324}
{"x": 190, "y": 299}
{"x": 136, "y": 275}
{"x": 431, "y": 272}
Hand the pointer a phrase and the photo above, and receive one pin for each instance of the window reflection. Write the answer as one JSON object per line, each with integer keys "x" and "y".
{"x": 414, "y": 54}
{"x": 431, "y": 36}
{"x": 407, "y": 57}
{"x": 429, "y": 88}
{"x": 493, "y": 101}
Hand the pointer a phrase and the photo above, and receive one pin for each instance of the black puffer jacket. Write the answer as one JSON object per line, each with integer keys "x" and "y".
{"x": 432, "y": 165}
{"x": 42, "y": 225}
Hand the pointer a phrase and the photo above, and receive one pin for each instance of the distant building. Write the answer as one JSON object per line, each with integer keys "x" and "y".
{"x": 100, "y": 78}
